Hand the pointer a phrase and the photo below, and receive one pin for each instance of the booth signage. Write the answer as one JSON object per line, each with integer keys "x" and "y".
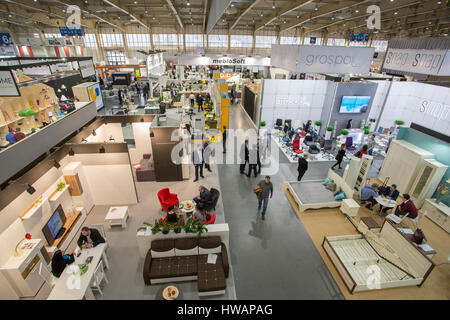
{"x": 340, "y": 60}
{"x": 358, "y": 37}
{"x": 415, "y": 61}
{"x": 86, "y": 68}
{"x": 435, "y": 109}
{"x": 37, "y": 71}
{"x": 223, "y": 61}
{"x": 7, "y": 51}
{"x": 8, "y": 87}
{"x": 312, "y": 40}
{"x": 61, "y": 67}
{"x": 322, "y": 59}
{"x": 71, "y": 31}
{"x": 5, "y": 39}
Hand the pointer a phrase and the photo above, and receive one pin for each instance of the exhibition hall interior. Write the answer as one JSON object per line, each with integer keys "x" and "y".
{"x": 224, "y": 150}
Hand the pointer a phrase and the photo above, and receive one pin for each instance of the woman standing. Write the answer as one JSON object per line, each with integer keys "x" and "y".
{"x": 349, "y": 124}
{"x": 340, "y": 156}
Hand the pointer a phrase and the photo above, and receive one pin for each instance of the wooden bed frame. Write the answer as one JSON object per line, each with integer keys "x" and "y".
{"x": 340, "y": 183}
{"x": 400, "y": 263}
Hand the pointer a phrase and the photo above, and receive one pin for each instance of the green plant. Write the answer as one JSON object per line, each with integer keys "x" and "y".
{"x": 177, "y": 229}
{"x": 166, "y": 228}
{"x": 344, "y": 132}
{"x": 318, "y": 123}
{"x": 156, "y": 227}
{"x": 366, "y": 131}
{"x": 200, "y": 87}
{"x": 262, "y": 123}
{"x": 330, "y": 128}
{"x": 399, "y": 122}
{"x": 60, "y": 186}
{"x": 190, "y": 87}
{"x": 366, "y": 127}
{"x": 198, "y": 228}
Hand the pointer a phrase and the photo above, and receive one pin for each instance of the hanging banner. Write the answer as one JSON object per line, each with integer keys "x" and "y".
{"x": 312, "y": 40}
{"x": 71, "y": 31}
{"x": 359, "y": 37}
{"x": 5, "y": 40}
{"x": 8, "y": 87}
{"x": 221, "y": 60}
{"x": 415, "y": 61}
{"x": 322, "y": 59}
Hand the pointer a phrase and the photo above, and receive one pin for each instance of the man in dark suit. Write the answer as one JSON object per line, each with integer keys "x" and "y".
{"x": 224, "y": 139}
{"x": 89, "y": 238}
{"x": 244, "y": 152}
{"x": 197, "y": 158}
{"x": 302, "y": 166}
{"x": 204, "y": 198}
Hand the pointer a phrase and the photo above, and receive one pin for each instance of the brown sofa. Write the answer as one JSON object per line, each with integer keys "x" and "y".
{"x": 147, "y": 170}
{"x": 184, "y": 259}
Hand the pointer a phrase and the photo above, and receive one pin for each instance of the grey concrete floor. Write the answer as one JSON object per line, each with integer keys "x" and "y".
{"x": 274, "y": 258}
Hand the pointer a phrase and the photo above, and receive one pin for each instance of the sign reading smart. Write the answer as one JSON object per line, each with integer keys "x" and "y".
{"x": 415, "y": 61}
{"x": 8, "y": 87}
{"x": 340, "y": 60}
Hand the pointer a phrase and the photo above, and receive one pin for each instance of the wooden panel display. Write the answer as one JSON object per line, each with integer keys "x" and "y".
{"x": 30, "y": 267}
{"x": 74, "y": 183}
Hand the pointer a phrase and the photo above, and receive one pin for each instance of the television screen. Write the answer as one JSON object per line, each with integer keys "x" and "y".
{"x": 354, "y": 104}
{"x": 54, "y": 225}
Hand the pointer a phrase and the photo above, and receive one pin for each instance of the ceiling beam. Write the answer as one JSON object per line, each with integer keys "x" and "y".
{"x": 243, "y": 13}
{"x": 205, "y": 8}
{"x": 115, "y": 5}
{"x": 175, "y": 13}
{"x": 322, "y": 11}
{"x": 290, "y": 6}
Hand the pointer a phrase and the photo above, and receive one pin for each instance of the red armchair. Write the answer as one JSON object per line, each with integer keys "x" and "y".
{"x": 210, "y": 218}
{"x": 167, "y": 199}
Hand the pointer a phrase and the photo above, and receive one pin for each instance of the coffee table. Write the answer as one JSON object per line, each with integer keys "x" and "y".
{"x": 187, "y": 211}
{"x": 160, "y": 293}
{"x": 385, "y": 203}
{"x": 117, "y": 216}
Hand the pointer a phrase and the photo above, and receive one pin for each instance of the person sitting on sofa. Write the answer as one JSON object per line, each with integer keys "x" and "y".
{"x": 406, "y": 207}
{"x": 369, "y": 193}
{"x": 89, "y": 238}
{"x": 204, "y": 197}
{"x": 172, "y": 214}
{"x": 200, "y": 213}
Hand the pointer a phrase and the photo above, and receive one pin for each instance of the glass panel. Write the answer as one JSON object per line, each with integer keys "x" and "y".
{"x": 422, "y": 181}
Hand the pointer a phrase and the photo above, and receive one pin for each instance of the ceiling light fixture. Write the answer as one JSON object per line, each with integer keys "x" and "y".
{"x": 273, "y": 5}
{"x": 30, "y": 189}
{"x": 71, "y": 152}
{"x": 396, "y": 12}
{"x": 102, "y": 149}
{"x": 188, "y": 3}
{"x": 315, "y": 8}
{"x": 56, "y": 164}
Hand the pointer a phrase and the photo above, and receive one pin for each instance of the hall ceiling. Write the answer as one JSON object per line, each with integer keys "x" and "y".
{"x": 399, "y": 18}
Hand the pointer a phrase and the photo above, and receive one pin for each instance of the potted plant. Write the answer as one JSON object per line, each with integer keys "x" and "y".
{"x": 60, "y": 186}
{"x": 198, "y": 228}
{"x": 442, "y": 191}
{"x": 156, "y": 227}
{"x": 399, "y": 123}
{"x": 344, "y": 132}
{"x": 190, "y": 87}
{"x": 166, "y": 228}
{"x": 200, "y": 87}
{"x": 318, "y": 123}
{"x": 329, "y": 132}
{"x": 262, "y": 123}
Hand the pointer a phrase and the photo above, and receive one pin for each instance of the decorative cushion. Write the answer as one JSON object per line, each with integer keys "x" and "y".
{"x": 186, "y": 247}
{"x": 331, "y": 186}
{"x": 163, "y": 254}
{"x": 340, "y": 196}
{"x": 163, "y": 248}
{"x": 339, "y": 190}
{"x": 326, "y": 181}
{"x": 209, "y": 245}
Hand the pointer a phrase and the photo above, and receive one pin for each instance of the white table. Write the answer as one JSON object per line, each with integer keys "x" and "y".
{"x": 188, "y": 211}
{"x": 350, "y": 207}
{"x": 72, "y": 287}
{"x": 117, "y": 216}
{"x": 386, "y": 203}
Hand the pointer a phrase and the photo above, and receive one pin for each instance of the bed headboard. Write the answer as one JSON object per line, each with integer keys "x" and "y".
{"x": 340, "y": 183}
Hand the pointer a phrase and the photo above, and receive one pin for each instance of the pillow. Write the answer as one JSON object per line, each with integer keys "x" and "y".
{"x": 209, "y": 245}
{"x": 327, "y": 180}
{"x": 339, "y": 190}
{"x": 331, "y": 186}
{"x": 163, "y": 254}
{"x": 340, "y": 196}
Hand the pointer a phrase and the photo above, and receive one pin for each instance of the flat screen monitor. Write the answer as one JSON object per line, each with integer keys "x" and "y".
{"x": 354, "y": 104}
{"x": 54, "y": 225}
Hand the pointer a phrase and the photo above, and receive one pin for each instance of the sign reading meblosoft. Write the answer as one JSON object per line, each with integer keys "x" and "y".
{"x": 86, "y": 68}
{"x": 8, "y": 87}
{"x": 223, "y": 60}
{"x": 415, "y": 61}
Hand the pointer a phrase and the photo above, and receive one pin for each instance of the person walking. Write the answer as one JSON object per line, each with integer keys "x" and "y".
{"x": 340, "y": 156}
{"x": 302, "y": 166}
{"x": 146, "y": 91}
{"x": 245, "y": 153}
{"x": 200, "y": 102}
{"x": 253, "y": 161}
{"x": 197, "y": 158}
{"x": 266, "y": 190}
{"x": 224, "y": 139}
{"x": 138, "y": 89}
{"x": 206, "y": 154}
{"x": 119, "y": 94}
{"x": 192, "y": 99}
{"x": 258, "y": 158}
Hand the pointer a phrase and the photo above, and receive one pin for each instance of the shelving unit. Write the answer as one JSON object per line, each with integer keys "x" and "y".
{"x": 34, "y": 210}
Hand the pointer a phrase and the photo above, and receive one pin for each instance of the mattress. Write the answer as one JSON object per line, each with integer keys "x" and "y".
{"x": 310, "y": 192}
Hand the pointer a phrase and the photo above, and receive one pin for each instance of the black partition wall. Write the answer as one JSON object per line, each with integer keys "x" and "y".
{"x": 249, "y": 103}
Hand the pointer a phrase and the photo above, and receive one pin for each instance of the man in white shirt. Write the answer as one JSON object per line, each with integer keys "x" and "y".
{"x": 192, "y": 98}
{"x": 197, "y": 159}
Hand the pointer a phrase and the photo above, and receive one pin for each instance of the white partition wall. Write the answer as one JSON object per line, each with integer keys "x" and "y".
{"x": 425, "y": 104}
{"x": 293, "y": 99}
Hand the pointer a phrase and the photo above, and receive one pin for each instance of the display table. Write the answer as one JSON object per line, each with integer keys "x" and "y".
{"x": 182, "y": 206}
{"x": 117, "y": 216}
{"x": 385, "y": 203}
{"x": 350, "y": 207}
